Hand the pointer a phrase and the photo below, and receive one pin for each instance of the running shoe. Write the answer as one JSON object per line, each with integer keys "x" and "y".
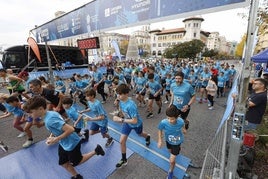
{"x": 170, "y": 175}
{"x": 148, "y": 140}
{"x": 28, "y": 143}
{"x": 121, "y": 163}
{"x": 150, "y": 115}
{"x": 99, "y": 150}
{"x": 3, "y": 146}
{"x": 109, "y": 142}
{"x": 22, "y": 134}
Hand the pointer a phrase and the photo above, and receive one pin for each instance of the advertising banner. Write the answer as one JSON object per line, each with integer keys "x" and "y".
{"x": 113, "y": 14}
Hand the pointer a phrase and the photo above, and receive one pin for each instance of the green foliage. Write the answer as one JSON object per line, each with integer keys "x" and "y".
{"x": 240, "y": 46}
{"x": 185, "y": 50}
{"x": 123, "y": 47}
{"x": 210, "y": 53}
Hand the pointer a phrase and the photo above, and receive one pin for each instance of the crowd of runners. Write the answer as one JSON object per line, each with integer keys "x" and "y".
{"x": 177, "y": 84}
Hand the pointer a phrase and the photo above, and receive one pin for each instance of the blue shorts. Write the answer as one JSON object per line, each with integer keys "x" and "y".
{"x": 30, "y": 119}
{"x": 126, "y": 129}
{"x": 95, "y": 127}
{"x": 250, "y": 126}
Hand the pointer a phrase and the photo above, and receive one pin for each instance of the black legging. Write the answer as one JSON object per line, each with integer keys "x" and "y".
{"x": 210, "y": 98}
{"x": 100, "y": 90}
{"x": 2, "y": 108}
{"x": 82, "y": 98}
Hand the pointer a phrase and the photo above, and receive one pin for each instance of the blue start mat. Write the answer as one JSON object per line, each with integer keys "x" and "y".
{"x": 159, "y": 157}
{"x": 41, "y": 161}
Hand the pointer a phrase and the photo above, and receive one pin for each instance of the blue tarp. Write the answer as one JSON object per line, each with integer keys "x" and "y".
{"x": 261, "y": 57}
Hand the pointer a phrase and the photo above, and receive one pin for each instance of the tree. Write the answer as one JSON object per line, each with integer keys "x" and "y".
{"x": 210, "y": 53}
{"x": 170, "y": 52}
{"x": 185, "y": 50}
{"x": 123, "y": 47}
{"x": 240, "y": 46}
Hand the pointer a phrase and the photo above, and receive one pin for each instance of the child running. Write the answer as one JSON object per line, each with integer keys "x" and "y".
{"x": 12, "y": 104}
{"x": 38, "y": 122}
{"x": 100, "y": 117}
{"x": 76, "y": 118}
{"x": 173, "y": 128}
{"x": 69, "y": 142}
{"x": 155, "y": 91}
{"x": 130, "y": 119}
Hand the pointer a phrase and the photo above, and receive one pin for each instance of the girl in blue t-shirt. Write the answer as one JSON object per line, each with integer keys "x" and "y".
{"x": 12, "y": 105}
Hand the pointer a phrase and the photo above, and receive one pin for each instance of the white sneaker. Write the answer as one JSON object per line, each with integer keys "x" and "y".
{"x": 209, "y": 104}
{"x": 210, "y": 108}
{"x": 22, "y": 134}
{"x": 3, "y": 146}
{"x": 28, "y": 143}
{"x": 114, "y": 113}
{"x": 166, "y": 102}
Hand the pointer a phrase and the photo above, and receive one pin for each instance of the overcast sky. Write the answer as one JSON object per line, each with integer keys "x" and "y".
{"x": 17, "y": 17}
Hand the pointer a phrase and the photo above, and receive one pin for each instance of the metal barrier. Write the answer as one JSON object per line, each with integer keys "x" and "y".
{"x": 215, "y": 160}
{"x": 214, "y": 163}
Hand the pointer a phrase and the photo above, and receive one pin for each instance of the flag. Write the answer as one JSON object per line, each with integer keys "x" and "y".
{"x": 140, "y": 51}
{"x": 83, "y": 52}
{"x": 33, "y": 45}
{"x": 116, "y": 48}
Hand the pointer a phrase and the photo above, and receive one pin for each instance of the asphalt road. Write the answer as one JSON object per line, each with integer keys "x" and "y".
{"x": 203, "y": 124}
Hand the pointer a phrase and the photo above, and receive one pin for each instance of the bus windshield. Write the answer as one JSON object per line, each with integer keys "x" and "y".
{"x": 12, "y": 59}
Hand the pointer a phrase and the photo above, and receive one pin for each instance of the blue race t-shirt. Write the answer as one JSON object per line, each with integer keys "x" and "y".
{"x": 54, "y": 123}
{"x": 73, "y": 115}
{"x": 182, "y": 93}
{"x": 173, "y": 132}
{"x": 96, "y": 109}
{"x": 130, "y": 110}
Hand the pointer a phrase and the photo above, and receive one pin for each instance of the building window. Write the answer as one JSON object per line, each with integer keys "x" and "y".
{"x": 159, "y": 44}
{"x": 159, "y": 52}
{"x": 154, "y": 44}
{"x": 194, "y": 35}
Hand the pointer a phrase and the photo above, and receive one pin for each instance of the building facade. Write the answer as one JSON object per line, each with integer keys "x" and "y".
{"x": 165, "y": 38}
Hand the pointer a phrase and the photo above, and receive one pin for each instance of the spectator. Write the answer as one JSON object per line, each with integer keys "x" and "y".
{"x": 256, "y": 104}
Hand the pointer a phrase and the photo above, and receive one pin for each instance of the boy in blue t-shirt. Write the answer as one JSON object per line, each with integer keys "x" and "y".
{"x": 130, "y": 119}
{"x": 173, "y": 128}
{"x": 69, "y": 142}
{"x": 76, "y": 118}
{"x": 154, "y": 92}
{"x": 99, "y": 118}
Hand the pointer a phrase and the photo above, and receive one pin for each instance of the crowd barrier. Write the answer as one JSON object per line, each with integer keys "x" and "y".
{"x": 216, "y": 154}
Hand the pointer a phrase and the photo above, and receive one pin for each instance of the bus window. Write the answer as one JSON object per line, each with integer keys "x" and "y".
{"x": 12, "y": 59}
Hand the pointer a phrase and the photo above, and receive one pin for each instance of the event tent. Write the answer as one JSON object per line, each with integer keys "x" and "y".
{"x": 261, "y": 57}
